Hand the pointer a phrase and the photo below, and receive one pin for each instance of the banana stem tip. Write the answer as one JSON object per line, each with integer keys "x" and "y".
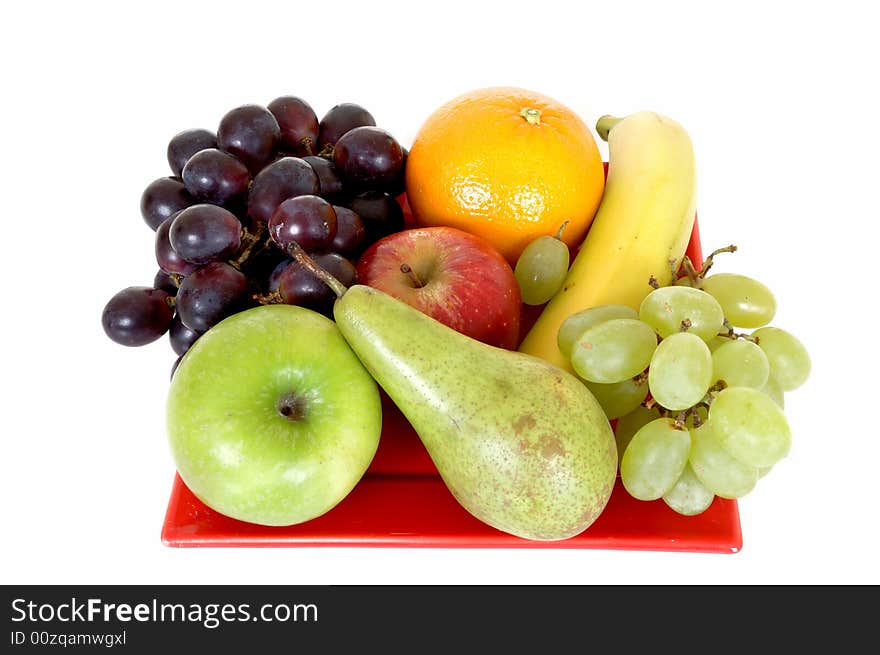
{"x": 604, "y": 125}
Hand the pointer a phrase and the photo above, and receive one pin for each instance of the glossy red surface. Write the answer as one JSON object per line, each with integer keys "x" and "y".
{"x": 402, "y": 502}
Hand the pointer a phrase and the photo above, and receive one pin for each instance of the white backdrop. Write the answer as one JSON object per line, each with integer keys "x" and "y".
{"x": 779, "y": 103}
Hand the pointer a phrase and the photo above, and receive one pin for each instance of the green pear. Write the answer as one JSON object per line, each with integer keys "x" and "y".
{"x": 522, "y": 444}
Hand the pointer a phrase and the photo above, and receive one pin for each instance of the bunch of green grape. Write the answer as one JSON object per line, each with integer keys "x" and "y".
{"x": 699, "y": 406}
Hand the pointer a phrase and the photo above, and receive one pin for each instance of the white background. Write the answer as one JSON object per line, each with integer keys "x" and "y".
{"x": 778, "y": 99}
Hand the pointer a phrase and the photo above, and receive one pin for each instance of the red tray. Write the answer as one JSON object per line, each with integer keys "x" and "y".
{"x": 402, "y": 501}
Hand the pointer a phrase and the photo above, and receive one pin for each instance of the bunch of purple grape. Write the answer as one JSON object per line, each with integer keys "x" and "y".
{"x": 240, "y": 200}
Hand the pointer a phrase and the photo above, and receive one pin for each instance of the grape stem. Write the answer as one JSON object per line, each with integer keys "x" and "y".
{"x": 731, "y": 334}
{"x": 561, "y": 230}
{"x": 309, "y": 264}
{"x": 249, "y": 240}
{"x": 271, "y": 298}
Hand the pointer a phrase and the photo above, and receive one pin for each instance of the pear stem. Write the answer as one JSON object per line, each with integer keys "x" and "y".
{"x": 604, "y": 125}
{"x": 407, "y": 270}
{"x": 309, "y": 264}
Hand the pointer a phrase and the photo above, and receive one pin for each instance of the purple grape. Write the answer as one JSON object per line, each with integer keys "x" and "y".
{"x": 210, "y": 294}
{"x": 205, "y": 233}
{"x": 215, "y": 176}
{"x": 350, "y": 231}
{"x": 180, "y": 336}
{"x": 310, "y": 221}
{"x": 166, "y": 256}
{"x": 164, "y": 282}
{"x": 339, "y": 120}
{"x": 299, "y": 286}
{"x": 330, "y": 186}
{"x": 380, "y": 212}
{"x": 368, "y": 158}
{"x": 251, "y": 133}
{"x": 338, "y": 266}
{"x": 298, "y": 123}
{"x": 137, "y": 316}
{"x": 285, "y": 178}
{"x": 184, "y": 145}
{"x": 162, "y": 198}
{"x": 272, "y": 281}
{"x": 398, "y": 186}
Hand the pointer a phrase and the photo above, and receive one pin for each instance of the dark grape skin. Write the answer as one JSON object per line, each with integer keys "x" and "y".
{"x": 180, "y": 336}
{"x": 350, "y": 232}
{"x": 329, "y": 183}
{"x": 164, "y": 282}
{"x": 298, "y": 286}
{"x": 368, "y": 159}
{"x": 137, "y": 315}
{"x": 298, "y": 123}
{"x": 205, "y": 233}
{"x": 339, "y": 120}
{"x": 380, "y": 212}
{"x": 215, "y": 177}
{"x": 210, "y": 294}
{"x": 398, "y": 186}
{"x": 338, "y": 266}
{"x": 285, "y": 178}
{"x": 308, "y": 220}
{"x": 162, "y": 198}
{"x": 251, "y": 134}
{"x": 184, "y": 145}
{"x": 168, "y": 258}
{"x": 272, "y": 280}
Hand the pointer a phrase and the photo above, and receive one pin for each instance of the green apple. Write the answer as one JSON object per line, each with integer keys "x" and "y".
{"x": 271, "y": 417}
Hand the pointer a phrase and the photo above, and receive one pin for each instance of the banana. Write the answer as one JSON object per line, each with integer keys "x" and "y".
{"x": 641, "y": 229}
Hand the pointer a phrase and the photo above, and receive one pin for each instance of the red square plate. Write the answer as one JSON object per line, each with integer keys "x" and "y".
{"x": 402, "y": 501}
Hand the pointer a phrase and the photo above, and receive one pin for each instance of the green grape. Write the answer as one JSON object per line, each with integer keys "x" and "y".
{"x": 614, "y": 350}
{"x": 629, "y": 424}
{"x": 717, "y": 469}
{"x": 688, "y": 495}
{"x": 681, "y": 371}
{"x": 772, "y": 389}
{"x": 789, "y": 360}
{"x": 740, "y": 363}
{"x": 654, "y": 459}
{"x": 619, "y": 398}
{"x": 716, "y": 342}
{"x": 750, "y": 426}
{"x": 578, "y": 323}
{"x": 541, "y": 269}
{"x": 745, "y": 302}
{"x": 665, "y": 309}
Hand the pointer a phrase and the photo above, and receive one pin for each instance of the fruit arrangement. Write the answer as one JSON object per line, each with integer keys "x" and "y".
{"x": 536, "y": 321}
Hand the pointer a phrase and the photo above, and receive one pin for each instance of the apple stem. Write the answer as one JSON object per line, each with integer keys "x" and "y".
{"x": 309, "y": 264}
{"x": 406, "y": 269}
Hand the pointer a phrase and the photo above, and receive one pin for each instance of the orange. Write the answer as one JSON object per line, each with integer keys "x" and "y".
{"x": 508, "y": 165}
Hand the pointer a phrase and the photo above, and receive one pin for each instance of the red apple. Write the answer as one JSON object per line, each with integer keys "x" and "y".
{"x": 456, "y": 278}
